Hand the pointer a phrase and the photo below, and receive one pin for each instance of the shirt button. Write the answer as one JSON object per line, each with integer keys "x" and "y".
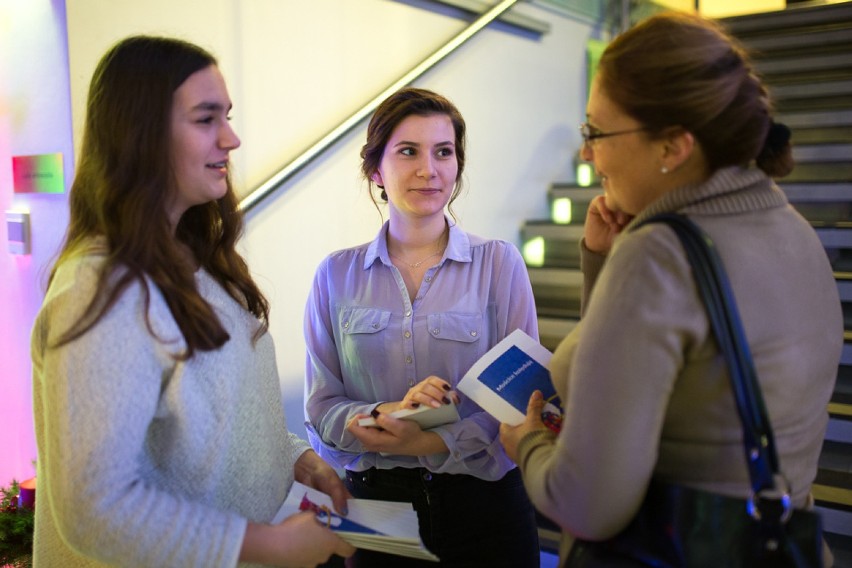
{"x": 346, "y": 324}
{"x": 427, "y": 476}
{"x": 411, "y": 382}
{"x": 408, "y": 314}
{"x": 375, "y": 326}
{"x": 407, "y": 334}
{"x": 428, "y": 279}
{"x": 436, "y": 331}
{"x": 473, "y": 334}
{"x": 408, "y": 359}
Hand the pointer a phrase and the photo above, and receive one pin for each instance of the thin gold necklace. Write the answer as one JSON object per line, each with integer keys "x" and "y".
{"x": 421, "y": 261}
{"x": 416, "y": 264}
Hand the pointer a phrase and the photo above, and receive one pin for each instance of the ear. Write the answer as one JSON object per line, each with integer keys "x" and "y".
{"x": 377, "y": 179}
{"x": 678, "y": 146}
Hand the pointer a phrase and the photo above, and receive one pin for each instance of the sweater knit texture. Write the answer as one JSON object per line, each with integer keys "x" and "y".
{"x": 646, "y": 389}
{"x": 146, "y": 460}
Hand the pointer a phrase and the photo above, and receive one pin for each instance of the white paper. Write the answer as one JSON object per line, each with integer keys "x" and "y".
{"x": 383, "y": 526}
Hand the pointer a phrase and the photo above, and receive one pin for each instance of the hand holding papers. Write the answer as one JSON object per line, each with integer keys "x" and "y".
{"x": 383, "y": 526}
{"x": 503, "y": 379}
{"x": 426, "y": 416}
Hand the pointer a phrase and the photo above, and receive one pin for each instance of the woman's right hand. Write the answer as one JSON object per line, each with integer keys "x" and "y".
{"x": 432, "y": 391}
{"x": 602, "y": 225}
{"x": 299, "y": 541}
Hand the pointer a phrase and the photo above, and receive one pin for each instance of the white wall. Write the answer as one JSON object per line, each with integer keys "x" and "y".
{"x": 295, "y": 69}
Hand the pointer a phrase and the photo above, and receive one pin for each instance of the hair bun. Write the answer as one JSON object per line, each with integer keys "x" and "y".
{"x": 777, "y": 137}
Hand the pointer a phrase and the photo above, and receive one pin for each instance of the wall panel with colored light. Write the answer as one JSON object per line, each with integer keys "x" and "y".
{"x": 35, "y": 120}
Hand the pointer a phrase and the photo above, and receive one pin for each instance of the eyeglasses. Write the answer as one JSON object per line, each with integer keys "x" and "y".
{"x": 590, "y": 133}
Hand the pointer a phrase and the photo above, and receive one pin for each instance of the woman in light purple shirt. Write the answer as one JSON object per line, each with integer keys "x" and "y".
{"x": 395, "y": 323}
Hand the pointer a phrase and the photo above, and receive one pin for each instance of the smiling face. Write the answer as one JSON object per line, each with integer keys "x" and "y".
{"x": 201, "y": 140}
{"x": 629, "y": 163}
{"x": 419, "y": 166}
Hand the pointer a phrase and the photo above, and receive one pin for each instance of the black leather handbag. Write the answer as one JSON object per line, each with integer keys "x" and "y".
{"x": 678, "y": 526}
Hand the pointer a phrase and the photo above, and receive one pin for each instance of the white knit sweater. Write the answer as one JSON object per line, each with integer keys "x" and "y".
{"x": 145, "y": 460}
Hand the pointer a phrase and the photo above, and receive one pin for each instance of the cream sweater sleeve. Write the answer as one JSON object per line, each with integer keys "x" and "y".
{"x": 100, "y": 501}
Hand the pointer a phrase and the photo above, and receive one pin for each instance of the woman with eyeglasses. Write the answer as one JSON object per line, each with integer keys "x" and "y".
{"x": 678, "y": 121}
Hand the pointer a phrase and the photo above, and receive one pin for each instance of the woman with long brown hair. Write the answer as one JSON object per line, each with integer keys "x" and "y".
{"x": 161, "y": 436}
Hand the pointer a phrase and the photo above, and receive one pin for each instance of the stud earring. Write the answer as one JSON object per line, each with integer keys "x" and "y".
{"x": 664, "y": 170}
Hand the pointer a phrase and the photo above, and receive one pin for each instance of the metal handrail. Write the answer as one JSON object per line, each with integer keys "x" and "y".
{"x": 291, "y": 169}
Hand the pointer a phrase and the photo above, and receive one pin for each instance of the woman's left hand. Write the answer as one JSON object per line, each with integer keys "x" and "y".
{"x": 510, "y": 436}
{"x": 313, "y": 471}
{"x": 395, "y": 436}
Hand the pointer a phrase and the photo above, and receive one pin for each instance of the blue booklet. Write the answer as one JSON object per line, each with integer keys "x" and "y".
{"x": 503, "y": 379}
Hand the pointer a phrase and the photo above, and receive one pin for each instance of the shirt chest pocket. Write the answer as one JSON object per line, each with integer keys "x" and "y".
{"x": 364, "y": 348}
{"x": 462, "y": 327}
{"x": 363, "y": 320}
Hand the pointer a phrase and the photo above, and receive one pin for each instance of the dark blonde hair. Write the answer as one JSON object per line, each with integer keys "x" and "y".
{"x": 396, "y": 108}
{"x": 123, "y": 183}
{"x": 678, "y": 69}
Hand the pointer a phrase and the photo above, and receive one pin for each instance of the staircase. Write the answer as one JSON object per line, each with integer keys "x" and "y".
{"x": 805, "y": 55}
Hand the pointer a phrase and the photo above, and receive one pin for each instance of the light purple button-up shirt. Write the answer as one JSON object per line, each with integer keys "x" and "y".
{"x": 368, "y": 343}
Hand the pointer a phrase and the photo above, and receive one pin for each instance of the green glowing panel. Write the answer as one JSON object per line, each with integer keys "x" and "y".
{"x": 38, "y": 174}
{"x": 560, "y": 210}
{"x": 533, "y": 252}
{"x": 594, "y": 50}
{"x": 585, "y": 175}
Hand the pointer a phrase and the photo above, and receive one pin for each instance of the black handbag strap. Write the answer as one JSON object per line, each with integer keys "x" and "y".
{"x": 713, "y": 285}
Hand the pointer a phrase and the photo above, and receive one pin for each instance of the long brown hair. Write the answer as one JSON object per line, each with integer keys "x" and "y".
{"x": 124, "y": 181}
{"x": 678, "y": 69}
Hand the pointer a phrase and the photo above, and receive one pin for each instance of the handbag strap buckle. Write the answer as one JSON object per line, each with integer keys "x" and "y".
{"x": 771, "y": 504}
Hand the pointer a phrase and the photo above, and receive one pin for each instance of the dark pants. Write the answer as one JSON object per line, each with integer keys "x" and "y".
{"x": 465, "y": 521}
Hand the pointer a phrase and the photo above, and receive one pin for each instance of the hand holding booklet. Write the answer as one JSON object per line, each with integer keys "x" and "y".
{"x": 426, "y": 416}
{"x": 383, "y": 526}
{"x": 503, "y": 379}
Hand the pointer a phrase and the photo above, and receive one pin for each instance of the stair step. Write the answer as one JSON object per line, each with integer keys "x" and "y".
{"x": 782, "y": 66}
{"x": 836, "y": 237}
{"x": 823, "y": 153}
{"x": 569, "y": 203}
{"x": 846, "y": 355}
{"x": 839, "y": 426}
{"x": 841, "y": 401}
{"x": 820, "y": 172}
{"x": 806, "y": 39}
{"x": 552, "y": 331}
{"x": 821, "y": 135}
{"x": 841, "y": 549}
{"x": 830, "y": 16}
{"x": 802, "y": 119}
{"x": 552, "y": 231}
{"x": 556, "y": 278}
{"x": 817, "y": 192}
{"x": 557, "y": 291}
{"x": 815, "y": 89}
{"x": 821, "y": 203}
{"x": 836, "y": 519}
{"x": 844, "y": 288}
{"x": 835, "y": 468}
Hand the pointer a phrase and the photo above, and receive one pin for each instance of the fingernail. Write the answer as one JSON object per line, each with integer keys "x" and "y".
{"x": 447, "y": 387}
{"x": 446, "y": 400}
{"x": 415, "y": 404}
{"x": 374, "y": 413}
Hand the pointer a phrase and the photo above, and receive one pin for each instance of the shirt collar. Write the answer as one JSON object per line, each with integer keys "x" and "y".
{"x": 458, "y": 246}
